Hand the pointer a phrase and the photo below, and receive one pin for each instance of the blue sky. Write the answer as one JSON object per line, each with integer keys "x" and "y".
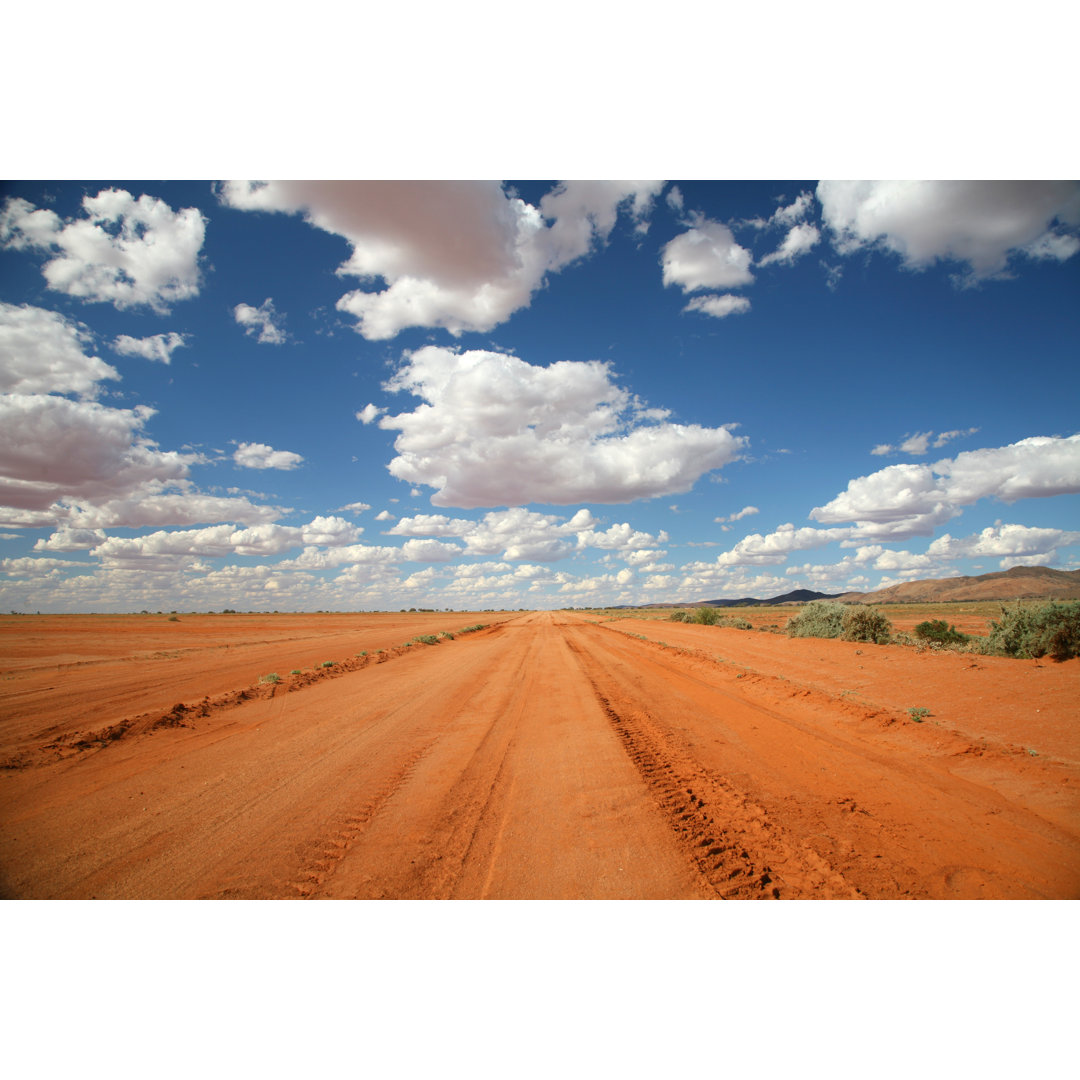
{"x": 377, "y": 395}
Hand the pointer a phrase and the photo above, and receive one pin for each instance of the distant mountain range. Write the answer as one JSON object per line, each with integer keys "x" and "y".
{"x": 1019, "y": 583}
{"x": 798, "y": 596}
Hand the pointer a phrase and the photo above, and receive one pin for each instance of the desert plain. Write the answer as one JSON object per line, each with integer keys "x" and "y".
{"x": 543, "y": 755}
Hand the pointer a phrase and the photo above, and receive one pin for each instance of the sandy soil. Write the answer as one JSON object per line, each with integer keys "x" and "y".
{"x": 552, "y": 755}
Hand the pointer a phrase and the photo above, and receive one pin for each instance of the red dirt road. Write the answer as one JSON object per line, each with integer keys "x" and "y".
{"x": 550, "y": 756}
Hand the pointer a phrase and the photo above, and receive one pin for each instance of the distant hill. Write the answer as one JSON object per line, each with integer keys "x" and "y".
{"x": 799, "y": 596}
{"x": 1019, "y": 583}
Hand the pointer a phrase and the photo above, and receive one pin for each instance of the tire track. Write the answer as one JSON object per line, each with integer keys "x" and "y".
{"x": 319, "y": 865}
{"x": 727, "y": 836}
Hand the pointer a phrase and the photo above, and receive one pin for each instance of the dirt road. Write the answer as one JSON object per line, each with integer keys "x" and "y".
{"x": 548, "y": 756}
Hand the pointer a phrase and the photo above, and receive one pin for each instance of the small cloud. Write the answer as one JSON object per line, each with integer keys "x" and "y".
{"x": 948, "y": 436}
{"x": 260, "y": 321}
{"x": 746, "y": 511}
{"x": 675, "y": 198}
{"x": 368, "y": 413}
{"x": 719, "y": 307}
{"x": 384, "y": 515}
{"x": 799, "y": 240}
{"x": 917, "y": 444}
{"x": 159, "y": 347}
{"x": 706, "y": 256}
{"x": 354, "y": 508}
{"x": 261, "y": 456}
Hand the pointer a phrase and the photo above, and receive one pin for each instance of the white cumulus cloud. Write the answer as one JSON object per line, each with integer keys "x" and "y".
{"x": 42, "y": 352}
{"x": 1008, "y": 542}
{"x": 69, "y": 539}
{"x": 158, "y": 347}
{"x": 494, "y": 430}
{"x": 124, "y": 251}
{"x": 799, "y": 240}
{"x": 981, "y": 223}
{"x": 260, "y": 456}
{"x": 258, "y": 322}
{"x": 461, "y": 255}
{"x": 911, "y": 500}
{"x": 758, "y": 549}
{"x": 52, "y": 447}
{"x": 746, "y": 511}
{"x": 706, "y": 256}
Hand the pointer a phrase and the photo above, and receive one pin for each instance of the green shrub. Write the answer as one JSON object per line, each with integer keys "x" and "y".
{"x": 862, "y": 623}
{"x": 679, "y": 616}
{"x": 705, "y": 616}
{"x": 327, "y": 663}
{"x": 737, "y": 622}
{"x": 295, "y": 671}
{"x": 1033, "y": 630}
{"x": 939, "y": 632}
{"x": 918, "y": 713}
{"x": 852, "y": 622}
{"x": 426, "y": 639}
{"x": 820, "y": 618}
{"x": 273, "y": 677}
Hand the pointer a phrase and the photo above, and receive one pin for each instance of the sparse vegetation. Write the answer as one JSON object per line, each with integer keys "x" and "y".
{"x": 327, "y": 663}
{"x": 862, "y": 623}
{"x": 678, "y": 616}
{"x": 852, "y": 622}
{"x": 1029, "y": 631}
{"x": 426, "y": 639}
{"x": 820, "y": 618}
{"x": 705, "y": 616}
{"x": 273, "y": 677}
{"x": 939, "y": 632}
{"x": 918, "y": 713}
{"x": 295, "y": 671}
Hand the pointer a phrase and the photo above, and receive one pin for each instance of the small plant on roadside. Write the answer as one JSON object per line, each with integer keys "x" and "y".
{"x": 852, "y": 622}
{"x": 939, "y": 632}
{"x": 678, "y": 616}
{"x": 820, "y": 618}
{"x": 426, "y": 639}
{"x": 273, "y": 677}
{"x": 705, "y": 616}
{"x": 295, "y": 671}
{"x": 737, "y": 622}
{"x": 446, "y": 634}
{"x": 862, "y": 623}
{"x": 918, "y": 713}
{"x": 327, "y": 663}
{"x": 1030, "y": 631}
